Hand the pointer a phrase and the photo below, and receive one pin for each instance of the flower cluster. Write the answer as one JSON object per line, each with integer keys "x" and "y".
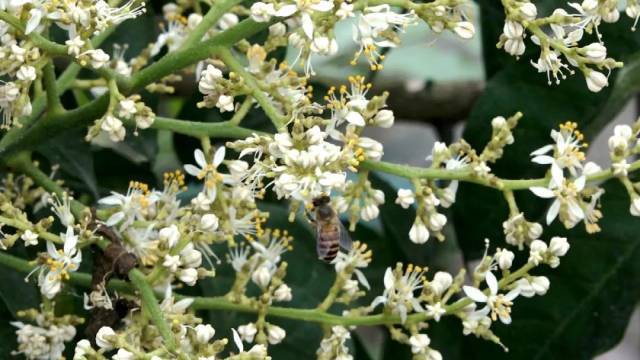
{"x": 566, "y": 29}
{"x": 43, "y": 335}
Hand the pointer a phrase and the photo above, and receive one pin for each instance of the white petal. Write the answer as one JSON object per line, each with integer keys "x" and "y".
{"x": 200, "y": 159}
{"x": 492, "y": 282}
{"x": 362, "y": 279}
{"x": 191, "y": 170}
{"x": 307, "y": 25}
{"x": 388, "y": 278}
{"x": 543, "y": 150}
{"x": 110, "y": 200}
{"x": 355, "y": 118}
{"x": 580, "y": 183}
{"x": 556, "y": 174}
{"x": 542, "y": 192}
{"x": 542, "y": 159}
{"x": 553, "y": 211}
{"x": 237, "y": 340}
{"x": 287, "y": 10}
{"x": 218, "y": 157}
{"x": 474, "y": 294}
{"x": 115, "y": 218}
{"x": 322, "y": 6}
{"x": 34, "y": 20}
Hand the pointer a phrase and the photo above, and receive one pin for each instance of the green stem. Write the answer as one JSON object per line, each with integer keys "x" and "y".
{"x": 278, "y": 119}
{"x": 40, "y": 41}
{"x": 20, "y": 225}
{"x": 150, "y": 305}
{"x": 54, "y": 106}
{"x": 242, "y": 111}
{"x": 223, "y": 129}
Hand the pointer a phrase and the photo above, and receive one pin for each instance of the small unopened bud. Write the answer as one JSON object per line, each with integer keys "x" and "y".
{"x": 209, "y": 222}
{"x": 529, "y": 11}
{"x": 282, "y": 293}
{"x": 419, "y": 233}
{"x": 384, "y": 118}
{"x": 204, "y": 333}
{"x": 261, "y": 276}
{"x": 465, "y": 30}
{"x": 596, "y": 80}
{"x": 275, "y": 334}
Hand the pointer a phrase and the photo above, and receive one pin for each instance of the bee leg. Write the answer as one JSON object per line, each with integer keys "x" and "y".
{"x": 309, "y": 217}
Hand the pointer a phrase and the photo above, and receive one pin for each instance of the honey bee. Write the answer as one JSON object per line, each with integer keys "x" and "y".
{"x": 330, "y": 233}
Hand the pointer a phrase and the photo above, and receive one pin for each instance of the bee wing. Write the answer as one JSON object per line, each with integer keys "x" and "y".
{"x": 345, "y": 239}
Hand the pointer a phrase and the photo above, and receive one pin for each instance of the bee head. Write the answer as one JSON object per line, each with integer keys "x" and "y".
{"x": 321, "y": 200}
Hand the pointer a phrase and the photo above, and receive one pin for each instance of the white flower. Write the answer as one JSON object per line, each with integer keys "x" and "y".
{"x": 105, "y": 337}
{"x": 26, "y": 73}
{"x": 436, "y": 311}
{"x": 247, "y": 332}
{"x": 114, "y": 128}
{"x": 566, "y": 194}
{"x": 209, "y": 222}
{"x": 437, "y": 221}
{"x": 74, "y": 46}
{"x": 170, "y": 235}
{"x": 324, "y": 46}
{"x": 204, "y": 333}
{"x": 399, "y": 290}
{"x": 82, "y": 348}
{"x": 305, "y": 10}
{"x": 282, "y": 293}
{"x": 369, "y": 212}
{"x": 30, "y": 238}
{"x": 596, "y": 80}
{"x": 98, "y": 58}
{"x": 206, "y": 171}
{"x": 60, "y": 265}
{"x": 499, "y": 304}
{"x": 275, "y": 334}
{"x": 537, "y": 251}
{"x": 419, "y": 233}
{"x": 405, "y": 198}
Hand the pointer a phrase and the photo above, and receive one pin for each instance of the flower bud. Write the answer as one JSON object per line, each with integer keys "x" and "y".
{"x": 419, "y": 343}
{"x": 261, "y": 276}
{"x": 209, "y": 222}
{"x": 384, "y": 118}
{"x": 528, "y": 11}
{"x": 498, "y": 122}
{"x": 26, "y": 73}
{"x": 437, "y": 221}
{"x": 247, "y": 332}
{"x": 464, "y": 29}
{"x": 225, "y": 103}
{"x": 513, "y": 29}
{"x": 188, "y": 276}
{"x": 275, "y": 334}
{"x": 441, "y": 282}
{"x": 405, "y": 198}
{"x": 261, "y": 12}
{"x": 277, "y": 29}
{"x": 540, "y": 285}
{"x": 596, "y": 80}
{"x": 589, "y": 5}
{"x": 171, "y": 262}
{"x": 227, "y": 20}
{"x": 82, "y": 348}
{"x": 369, "y": 212}
{"x": 505, "y": 259}
{"x": 558, "y": 246}
{"x": 123, "y": 354}
{"x": 105, "y": 338}
{"x": 283, "y": 293}
{"x": 419, "y": 233}
{"x": 535, "y": 230}
{"x": 595, "y": 51}
{"x": 204, "y": 333}
{"x": 169, "y": 235}
{"x": 30, "y": 238}
{"x": 514, "y": 47}
{"x": 611, "y": 16}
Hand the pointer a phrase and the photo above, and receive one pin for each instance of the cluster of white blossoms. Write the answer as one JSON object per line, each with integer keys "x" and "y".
{"x": 22, "y": 59}
{"x": 574, "y": 199}
{"x": 310, "y": 26}
{"x": 560, "y": 38}
{"x": 43, "y": 335}
{"x": 624, "y": 143}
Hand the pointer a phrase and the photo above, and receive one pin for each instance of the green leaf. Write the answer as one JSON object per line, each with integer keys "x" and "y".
{"x": 74, "y": 156}
{"x": 593, "y": 292}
